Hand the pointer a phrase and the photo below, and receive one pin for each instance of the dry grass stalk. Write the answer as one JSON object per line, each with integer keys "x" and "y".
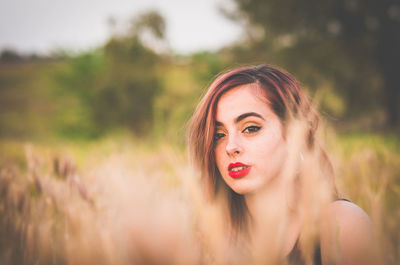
{"x": 135, "y": 207}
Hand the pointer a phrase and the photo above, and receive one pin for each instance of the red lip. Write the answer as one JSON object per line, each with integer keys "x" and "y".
{"x": 239, "y": 173}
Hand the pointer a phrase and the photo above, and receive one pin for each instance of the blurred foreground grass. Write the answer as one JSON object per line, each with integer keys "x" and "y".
{"x": 122, "y": 200}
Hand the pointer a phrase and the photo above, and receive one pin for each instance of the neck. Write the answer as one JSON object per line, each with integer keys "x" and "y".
{"x": 271, "y": 199}
{"x": 273, "y": 223}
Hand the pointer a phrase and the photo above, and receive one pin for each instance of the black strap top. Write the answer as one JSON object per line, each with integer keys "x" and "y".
{"x": 295, "y": 257}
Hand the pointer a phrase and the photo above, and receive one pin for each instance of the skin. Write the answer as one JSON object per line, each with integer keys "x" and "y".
{"x": 347, "y": 235}
{"x": 257, "y": 140}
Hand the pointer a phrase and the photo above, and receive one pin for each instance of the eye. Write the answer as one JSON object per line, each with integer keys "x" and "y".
{"x": 218, "y": 135}
{"x": 251, "y": 129}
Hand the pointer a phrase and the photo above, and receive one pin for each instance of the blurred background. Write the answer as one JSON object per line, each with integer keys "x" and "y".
{"x": 74, "y": 69}
{"x": 79, "y": 75}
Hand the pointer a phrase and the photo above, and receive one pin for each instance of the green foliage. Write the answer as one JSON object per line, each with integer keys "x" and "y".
{"x": 128, "y": 86}
{"x": 129, "y": 83}
{"x": 350, "y": 44}
{"x": 26, "y": 105}
{"x": 9, "y": 56}
{"x": 207, "y": 65}
{"x": 75, "y": 90}
{"x": 113, "y": 87}
{"x": 184, "y": 82}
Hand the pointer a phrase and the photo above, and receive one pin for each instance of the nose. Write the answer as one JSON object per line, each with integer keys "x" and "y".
{"x": 233, "y": 146}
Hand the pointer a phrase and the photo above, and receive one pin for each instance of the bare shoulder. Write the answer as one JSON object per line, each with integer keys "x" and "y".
{"x": 347, "y": 213}
{"x": 347, "y": 235}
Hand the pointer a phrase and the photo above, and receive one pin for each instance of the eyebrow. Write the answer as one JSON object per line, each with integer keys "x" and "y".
{"x": 242, "y": 117}
{"x": 248, "y": 114}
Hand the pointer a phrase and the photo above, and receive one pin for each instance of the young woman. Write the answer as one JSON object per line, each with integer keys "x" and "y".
{"x": 276, "y": 179}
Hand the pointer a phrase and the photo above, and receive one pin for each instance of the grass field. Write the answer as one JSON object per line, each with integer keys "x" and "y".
{"x": 121, "y": 200}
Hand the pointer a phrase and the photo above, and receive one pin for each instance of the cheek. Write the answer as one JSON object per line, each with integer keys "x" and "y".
{"x": 269, "y": 150}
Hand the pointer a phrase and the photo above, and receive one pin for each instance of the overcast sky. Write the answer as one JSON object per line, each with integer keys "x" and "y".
{"x": 47, "y": 25}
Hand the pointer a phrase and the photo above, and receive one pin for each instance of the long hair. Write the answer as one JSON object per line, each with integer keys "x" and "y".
{"x": 286, "y": 99}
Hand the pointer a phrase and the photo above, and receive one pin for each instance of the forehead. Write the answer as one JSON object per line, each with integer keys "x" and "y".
{"x": 242, "y": 99}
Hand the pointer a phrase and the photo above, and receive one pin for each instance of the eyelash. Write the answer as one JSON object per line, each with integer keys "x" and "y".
{"x": 249, "y": 130}
{"x": 218, "y": 136}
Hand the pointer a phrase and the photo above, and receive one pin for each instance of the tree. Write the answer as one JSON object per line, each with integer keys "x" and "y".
{"x": 353, "y": 42}
{"x": 116, "y": 85}
{"x": 130, "y": 81}
{"x": 8, "y": 56}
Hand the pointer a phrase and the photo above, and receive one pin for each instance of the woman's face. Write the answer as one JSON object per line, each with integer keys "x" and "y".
{"x": 250, "y": 149}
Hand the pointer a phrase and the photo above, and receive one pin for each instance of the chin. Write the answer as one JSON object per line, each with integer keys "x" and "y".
{"x": 242, "y": 189}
